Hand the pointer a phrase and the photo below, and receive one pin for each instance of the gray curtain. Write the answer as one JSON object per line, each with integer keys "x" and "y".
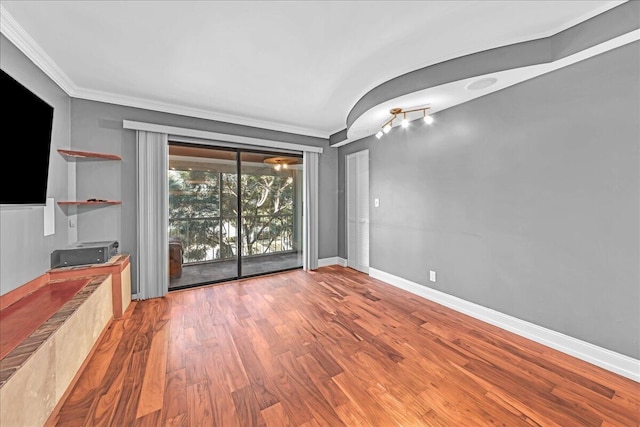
{"x": 310, "y": 211}
{"x": 153, "y": 215}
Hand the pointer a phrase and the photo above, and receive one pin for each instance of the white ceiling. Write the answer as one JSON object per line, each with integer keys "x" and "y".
{"x": 297, "y": 66}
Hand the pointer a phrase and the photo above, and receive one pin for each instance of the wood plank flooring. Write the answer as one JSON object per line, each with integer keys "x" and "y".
{"x": 331, "y": 348}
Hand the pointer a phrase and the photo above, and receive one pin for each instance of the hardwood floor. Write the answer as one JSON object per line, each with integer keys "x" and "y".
{"x": 331, "y": 348}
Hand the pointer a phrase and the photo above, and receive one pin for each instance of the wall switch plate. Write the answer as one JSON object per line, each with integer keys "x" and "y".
{"x": 432, "y": 275}
{"x": 376, "y": 203}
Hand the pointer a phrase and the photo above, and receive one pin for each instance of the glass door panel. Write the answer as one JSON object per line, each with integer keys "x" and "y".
{"x": 203, "y": 209}
{"x": 271, "y": 214}
{"x": 232, "y": 213}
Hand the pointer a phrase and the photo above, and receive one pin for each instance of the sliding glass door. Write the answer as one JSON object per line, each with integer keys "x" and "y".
{"x": 271, "y": 231}
{"x": 232, "y": 213}
{"x": 203, "y": 208}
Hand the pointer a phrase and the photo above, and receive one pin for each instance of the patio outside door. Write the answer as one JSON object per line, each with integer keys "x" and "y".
{"x": 232, "y": 213}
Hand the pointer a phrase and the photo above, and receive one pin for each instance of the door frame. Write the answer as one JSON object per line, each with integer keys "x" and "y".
{"x": 356, "y": 266}
{"x": 238, "y": 150}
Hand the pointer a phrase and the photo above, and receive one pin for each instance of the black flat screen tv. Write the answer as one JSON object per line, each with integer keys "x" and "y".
{"x": 27, "y": 121}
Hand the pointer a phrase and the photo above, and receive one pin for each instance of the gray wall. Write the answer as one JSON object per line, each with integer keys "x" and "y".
{"x": 525, "y": 201}
{"x": 97, "y": 126}
{"x": 24, "y": 251}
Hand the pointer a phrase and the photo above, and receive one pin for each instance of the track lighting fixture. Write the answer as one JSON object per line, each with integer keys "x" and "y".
{"x": 395, "y": 112}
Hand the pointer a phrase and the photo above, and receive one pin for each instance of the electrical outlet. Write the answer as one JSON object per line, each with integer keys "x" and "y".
{"x": 376, "y": 203}
{"x": 432, "y": 275}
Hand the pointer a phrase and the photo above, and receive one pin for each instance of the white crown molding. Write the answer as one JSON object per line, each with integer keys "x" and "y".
{"x": 147, "y": 104}
{"x": 606, "y": 359}
{"x": 348, "y": 141}
{"x": 11, "y": 29}
{"x": 17, "y": 35}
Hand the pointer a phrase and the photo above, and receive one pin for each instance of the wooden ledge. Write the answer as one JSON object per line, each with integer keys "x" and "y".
{"x": 82, "y": 280}
{"x": 121, "y": 284}
{"x": 115, "y": 265}
{"x": 22, "y": 318}
{"x": 21, "y": 353}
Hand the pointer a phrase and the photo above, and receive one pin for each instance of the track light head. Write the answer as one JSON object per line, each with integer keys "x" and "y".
{"x": 428, "y": 120}
{"x": 379, "y": 134}
{"x": 386, "y": 128}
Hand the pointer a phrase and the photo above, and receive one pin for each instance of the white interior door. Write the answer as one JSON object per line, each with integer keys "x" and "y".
{"x": 357, "y": 174}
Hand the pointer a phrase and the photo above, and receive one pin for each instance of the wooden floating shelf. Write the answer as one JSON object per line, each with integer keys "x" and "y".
{"x": 85, "y": 202}
{"x": 88, "y": 155}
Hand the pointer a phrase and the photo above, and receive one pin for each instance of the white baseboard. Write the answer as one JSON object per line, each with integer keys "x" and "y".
{"x": 607, "y": 359}
{"x": 323, "y": 262}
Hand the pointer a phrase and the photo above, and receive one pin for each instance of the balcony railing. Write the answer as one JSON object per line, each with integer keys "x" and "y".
{"x": 208, "y": 239}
